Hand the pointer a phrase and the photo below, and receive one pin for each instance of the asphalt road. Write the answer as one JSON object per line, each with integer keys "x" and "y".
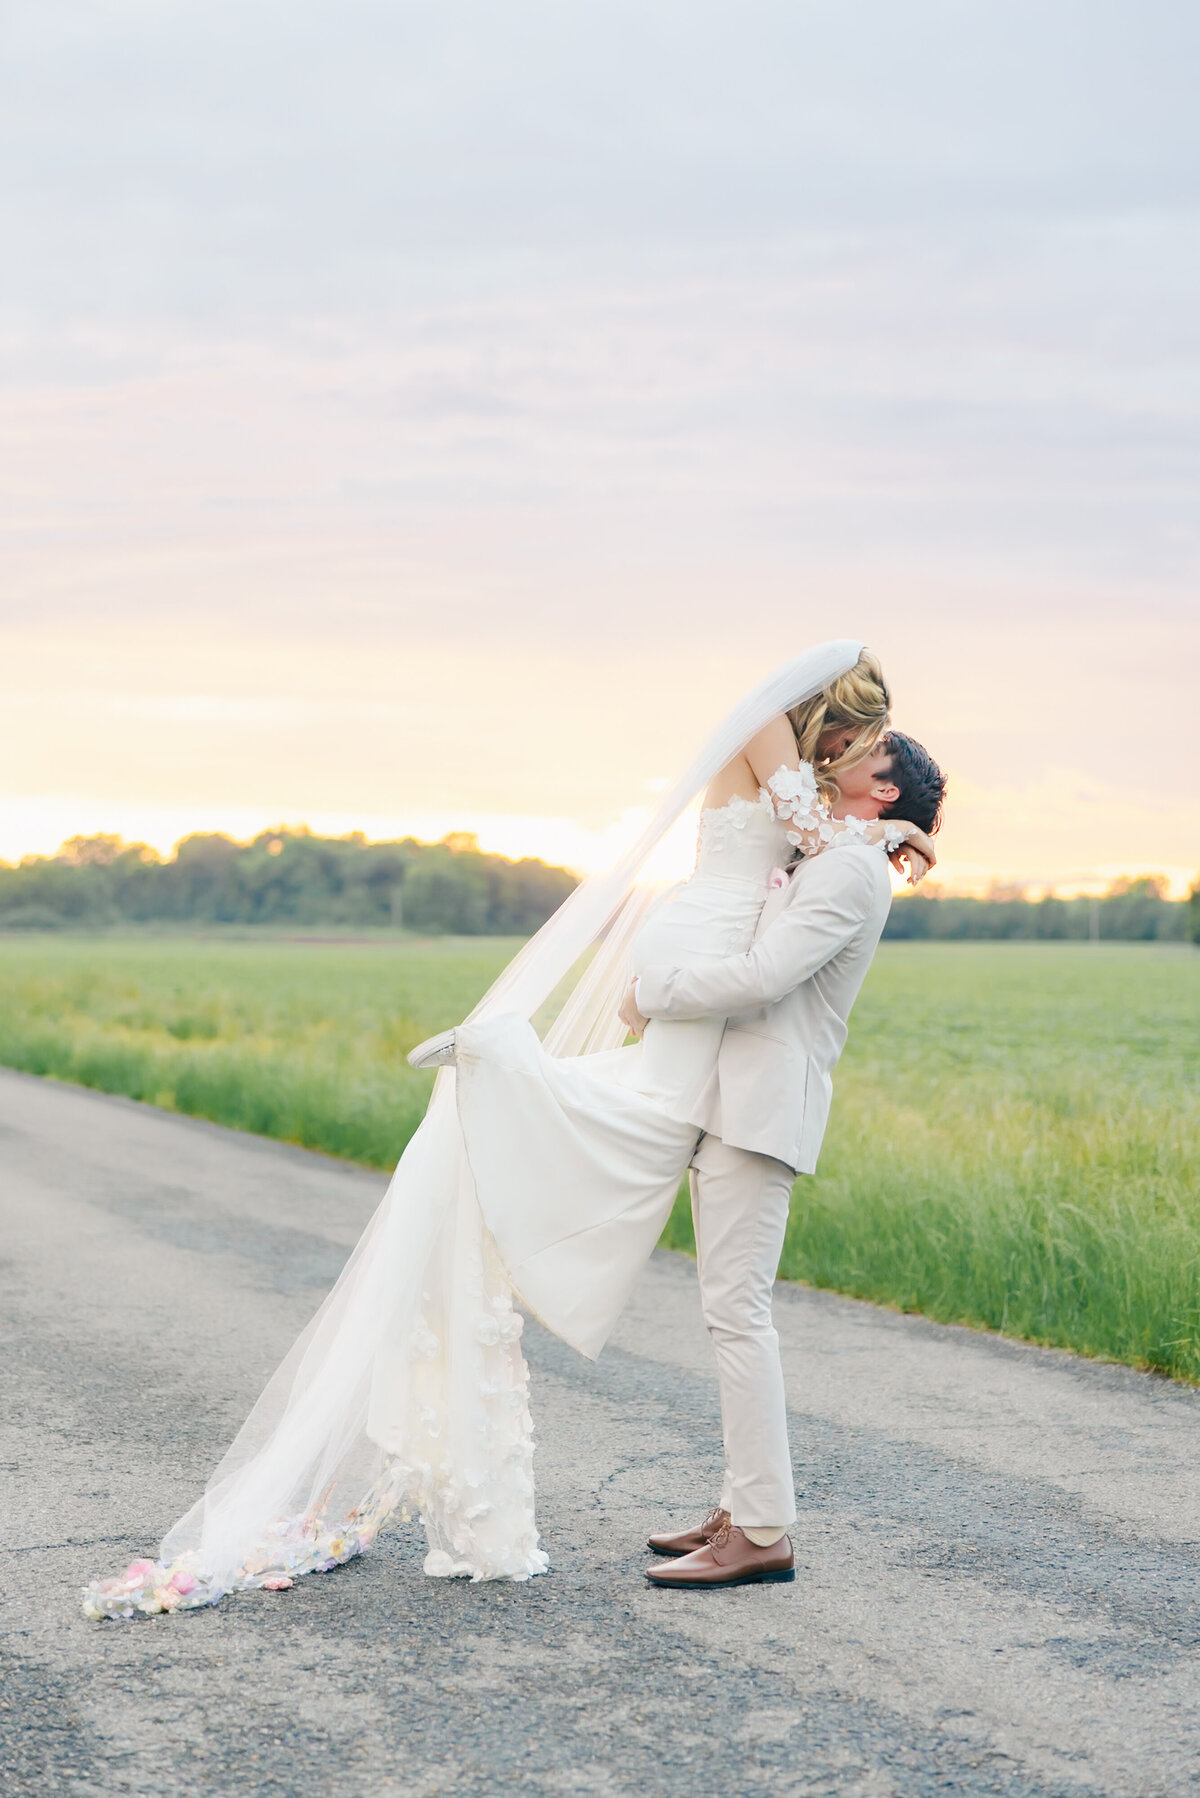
{"x": 997, "y": 1545}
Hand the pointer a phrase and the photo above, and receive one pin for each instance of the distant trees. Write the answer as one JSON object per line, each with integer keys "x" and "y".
{"x": 292, "y": 877}
{"x": 1131, "y": 911}
{"x": 283, "y": 877}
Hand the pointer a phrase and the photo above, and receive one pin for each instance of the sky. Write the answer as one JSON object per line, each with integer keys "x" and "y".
{"x": 428, "y": 417}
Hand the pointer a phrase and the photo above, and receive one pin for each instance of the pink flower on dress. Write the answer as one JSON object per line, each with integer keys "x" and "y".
{"x": 777, "y": 878}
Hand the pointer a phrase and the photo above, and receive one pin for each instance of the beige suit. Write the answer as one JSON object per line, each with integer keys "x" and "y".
{"x": 764, "y": 1113}
{"x": 787, "y": 1001}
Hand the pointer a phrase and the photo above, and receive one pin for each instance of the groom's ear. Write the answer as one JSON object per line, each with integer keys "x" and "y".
{"x": 886, "y": 791}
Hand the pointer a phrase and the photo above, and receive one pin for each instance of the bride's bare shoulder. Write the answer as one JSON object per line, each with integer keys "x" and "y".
{"x": 772, "y": 748}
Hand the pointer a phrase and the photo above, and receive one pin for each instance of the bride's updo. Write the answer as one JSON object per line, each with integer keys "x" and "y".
{"x": 857, "y": 700}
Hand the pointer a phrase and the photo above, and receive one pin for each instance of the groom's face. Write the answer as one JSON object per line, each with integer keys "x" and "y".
{"x": 867, "y": 788}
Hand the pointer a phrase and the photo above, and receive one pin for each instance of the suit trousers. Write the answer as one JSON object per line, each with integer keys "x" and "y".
{"x": 740, "y": 1213}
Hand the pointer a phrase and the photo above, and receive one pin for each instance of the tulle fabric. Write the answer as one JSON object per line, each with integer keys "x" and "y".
{"x": 408, "y": 1390}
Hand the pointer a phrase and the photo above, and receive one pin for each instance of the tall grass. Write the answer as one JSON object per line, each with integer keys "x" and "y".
{"x": 1015, "y": 1143}
{"x": 302, "y": 1041}
{"x": 1015, "y": 1139}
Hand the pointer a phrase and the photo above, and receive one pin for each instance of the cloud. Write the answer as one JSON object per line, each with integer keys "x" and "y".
{"x": 233, "y": 165}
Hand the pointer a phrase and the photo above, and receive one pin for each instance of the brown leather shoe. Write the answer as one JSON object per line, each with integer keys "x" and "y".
{"x": 729, "y": 1559}
{"x": 686, "y": 1541}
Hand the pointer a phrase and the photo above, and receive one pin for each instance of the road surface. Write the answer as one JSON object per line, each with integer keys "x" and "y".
{"x": 997, "y": 1545}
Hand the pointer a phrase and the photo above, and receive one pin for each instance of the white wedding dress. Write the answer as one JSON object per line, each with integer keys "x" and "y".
{"x": 602, "y": 1141}
{"x": 408, "y": 1390}
{"x": 576, "y": 1160}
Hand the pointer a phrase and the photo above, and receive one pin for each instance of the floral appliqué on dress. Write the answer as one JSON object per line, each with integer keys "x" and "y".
{"x": 796, "y": 797}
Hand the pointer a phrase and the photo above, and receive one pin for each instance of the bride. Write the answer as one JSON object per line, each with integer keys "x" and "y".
{"x": 547, "y": 1169}
{"x": 576, "y": 1160}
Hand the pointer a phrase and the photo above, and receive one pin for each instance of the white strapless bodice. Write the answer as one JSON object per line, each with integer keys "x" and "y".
{"x": 715, "y": 910}
{"x": 743, "y": 840}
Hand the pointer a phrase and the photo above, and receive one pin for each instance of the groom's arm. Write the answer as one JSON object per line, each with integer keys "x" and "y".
{"x": 839, "y": 895}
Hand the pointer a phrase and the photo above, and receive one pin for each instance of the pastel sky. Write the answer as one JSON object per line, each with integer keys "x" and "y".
{"x": 433, "y": 416}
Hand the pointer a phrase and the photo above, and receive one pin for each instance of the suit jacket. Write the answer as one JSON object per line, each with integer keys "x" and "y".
{"x": 787, "y": 1001}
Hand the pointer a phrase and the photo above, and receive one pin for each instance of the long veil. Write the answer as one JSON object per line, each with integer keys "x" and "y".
{"x": 408, "y": 1388}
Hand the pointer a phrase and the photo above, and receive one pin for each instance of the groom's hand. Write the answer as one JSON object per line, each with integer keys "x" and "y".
{"x": 629, "y": 1014}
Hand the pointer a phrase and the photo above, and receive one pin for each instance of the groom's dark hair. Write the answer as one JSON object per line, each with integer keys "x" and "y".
{"x": 921, "y": 782}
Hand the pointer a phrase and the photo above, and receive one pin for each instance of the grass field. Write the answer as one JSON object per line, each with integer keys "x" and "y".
{"x": 300, "y": 1040}
{"x": 1015, "y": 1139}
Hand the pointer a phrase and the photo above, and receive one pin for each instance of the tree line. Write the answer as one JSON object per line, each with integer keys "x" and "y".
{"x": 293, "y": 877}
{"x": 283, "y": 877}
{"x": 1132, "y": 911}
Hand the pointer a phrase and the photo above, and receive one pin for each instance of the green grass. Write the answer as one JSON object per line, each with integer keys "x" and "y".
{"x": 1015, "y": 1140}
{"x": 303, "y": 1041}
{"x": 1015, "y": 1143}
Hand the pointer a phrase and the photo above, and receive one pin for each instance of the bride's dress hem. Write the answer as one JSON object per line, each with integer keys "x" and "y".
{"x": 300, "y": 1546}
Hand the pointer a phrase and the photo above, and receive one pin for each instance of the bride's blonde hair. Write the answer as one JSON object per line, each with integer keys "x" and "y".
{"x": 859, "y": 699}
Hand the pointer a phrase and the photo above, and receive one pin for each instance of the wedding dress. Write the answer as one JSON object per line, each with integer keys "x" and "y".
{"x": 576, "y": 1161}
{"x": 408, "y": 1390}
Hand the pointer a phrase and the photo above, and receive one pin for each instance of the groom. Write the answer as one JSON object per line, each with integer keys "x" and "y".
{"x": 763, "y": 1114}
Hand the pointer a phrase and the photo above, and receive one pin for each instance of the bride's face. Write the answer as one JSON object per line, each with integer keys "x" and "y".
{"x": 835, "y": 742}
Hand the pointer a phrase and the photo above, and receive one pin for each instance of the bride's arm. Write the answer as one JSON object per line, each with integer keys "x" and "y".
{"x": 791, "y": 784}
{"x": 812, "y": 827}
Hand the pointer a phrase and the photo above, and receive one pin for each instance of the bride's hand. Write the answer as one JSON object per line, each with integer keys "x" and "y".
{"x": 921, "y": 845}
{"x": 629, "y": 1014}
{"x": 914, "y": 856}
{"x": 909, "y": 862}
